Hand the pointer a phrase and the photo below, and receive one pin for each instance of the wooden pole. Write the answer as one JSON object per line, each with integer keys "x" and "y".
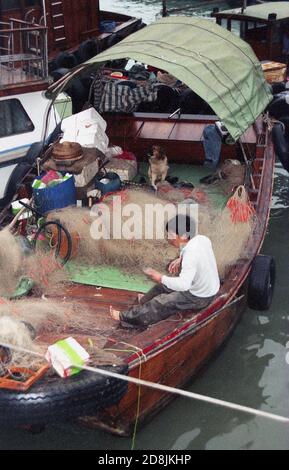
{"x": 244, "y": 5}
{"x": 165, "y": 11}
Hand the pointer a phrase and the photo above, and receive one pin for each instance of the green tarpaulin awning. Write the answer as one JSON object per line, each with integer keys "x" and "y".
{"x": 221, "y": 68}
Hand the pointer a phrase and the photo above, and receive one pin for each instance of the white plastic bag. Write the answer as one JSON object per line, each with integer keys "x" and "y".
{"x": 86, "y": 128}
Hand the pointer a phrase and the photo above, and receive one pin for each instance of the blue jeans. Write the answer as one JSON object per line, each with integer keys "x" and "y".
{"x": 212, "y": 143}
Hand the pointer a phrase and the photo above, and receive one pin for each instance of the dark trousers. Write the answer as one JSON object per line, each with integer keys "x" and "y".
{"x": 159, "y": 303}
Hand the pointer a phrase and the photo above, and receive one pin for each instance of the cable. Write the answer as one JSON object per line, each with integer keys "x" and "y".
{"x": 59, "y": 238}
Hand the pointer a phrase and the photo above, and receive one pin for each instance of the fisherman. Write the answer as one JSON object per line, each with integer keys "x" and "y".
{"x": 193, "y": 289}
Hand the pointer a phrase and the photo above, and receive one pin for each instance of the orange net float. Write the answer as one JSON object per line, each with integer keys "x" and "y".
{"x": 240, "y": 206}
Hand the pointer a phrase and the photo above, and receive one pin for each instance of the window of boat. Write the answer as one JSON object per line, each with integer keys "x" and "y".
{"x": 13, "y": 118}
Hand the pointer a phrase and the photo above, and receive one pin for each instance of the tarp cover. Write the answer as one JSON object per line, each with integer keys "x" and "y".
{"x": 221, "y": 68}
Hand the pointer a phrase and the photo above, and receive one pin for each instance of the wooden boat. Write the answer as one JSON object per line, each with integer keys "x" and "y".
{"x": 262, "y": 26}
{"x": 41, "y": 40}
{"x": 68, "y": 32}
{"x": 173, "y": 351}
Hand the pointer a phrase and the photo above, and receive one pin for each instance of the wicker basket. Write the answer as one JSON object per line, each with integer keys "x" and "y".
{"x": 274, "y": 71}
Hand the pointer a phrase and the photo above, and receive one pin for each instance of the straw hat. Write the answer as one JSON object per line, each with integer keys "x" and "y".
{"x": 67, "y": 152}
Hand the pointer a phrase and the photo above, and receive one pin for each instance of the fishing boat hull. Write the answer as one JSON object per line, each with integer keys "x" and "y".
{"x": 177, "y": 355}
{"x": 174, "y": 365}
{"x": 172, "y": 351}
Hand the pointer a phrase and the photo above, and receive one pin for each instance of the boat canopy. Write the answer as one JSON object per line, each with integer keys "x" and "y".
{"x": 261, "y": 11}
{"x": 217, "y": 65}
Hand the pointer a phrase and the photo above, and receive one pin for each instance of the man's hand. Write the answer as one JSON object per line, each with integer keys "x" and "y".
{"x": 174, "y": 266}
{"x": 154, "y": 275}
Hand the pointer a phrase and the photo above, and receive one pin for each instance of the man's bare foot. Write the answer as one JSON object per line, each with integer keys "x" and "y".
{"x": 114, "y": 313}
{"x": 139, "y": 297}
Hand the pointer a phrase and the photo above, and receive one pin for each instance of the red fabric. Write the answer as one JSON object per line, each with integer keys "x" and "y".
{"x": 125, "y": 155}
{"x": 50, "y": 176}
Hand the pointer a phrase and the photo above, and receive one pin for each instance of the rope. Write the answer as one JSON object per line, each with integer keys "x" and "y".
{"x": 165, "y": 388}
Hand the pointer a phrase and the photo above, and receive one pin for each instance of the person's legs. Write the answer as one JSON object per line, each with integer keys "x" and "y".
{"x": 212, "y": 143}
{"x": 161, "y": 307}
{"x": 153, "y": 292}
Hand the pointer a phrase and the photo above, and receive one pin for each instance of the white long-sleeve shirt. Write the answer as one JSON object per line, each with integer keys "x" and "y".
{"x": 199, "y": 273}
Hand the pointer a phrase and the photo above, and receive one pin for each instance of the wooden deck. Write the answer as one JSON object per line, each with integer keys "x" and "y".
{"x": 15, "y": 81}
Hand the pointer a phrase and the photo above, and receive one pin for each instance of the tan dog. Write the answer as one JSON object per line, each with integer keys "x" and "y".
{"x": 158, "y": 165}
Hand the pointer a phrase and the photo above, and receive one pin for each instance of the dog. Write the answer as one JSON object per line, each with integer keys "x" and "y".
{"x": 158, "y": 165}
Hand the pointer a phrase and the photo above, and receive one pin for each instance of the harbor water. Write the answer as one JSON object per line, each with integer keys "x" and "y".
{"x": 250, "y": 369}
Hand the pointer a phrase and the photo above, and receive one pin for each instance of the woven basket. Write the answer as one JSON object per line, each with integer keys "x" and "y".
{"x": 274, "y": 72}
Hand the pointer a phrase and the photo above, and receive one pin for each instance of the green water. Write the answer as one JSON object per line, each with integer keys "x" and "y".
{"x": 249, "y": 370}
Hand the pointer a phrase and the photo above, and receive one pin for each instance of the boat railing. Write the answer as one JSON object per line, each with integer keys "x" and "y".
{"x": 23, "y": 52}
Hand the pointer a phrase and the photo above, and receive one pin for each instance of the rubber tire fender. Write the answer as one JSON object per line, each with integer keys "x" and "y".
{"x": 87, "y": 50}
{"x": 281, "y": 144}
{"x": 261, "y": 282}
{"x": 58, "y": 399}
{"x": 65, "y": 60}
{"x": 279, "y": 106}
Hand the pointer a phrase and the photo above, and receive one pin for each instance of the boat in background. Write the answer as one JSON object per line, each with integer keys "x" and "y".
{"x": 76, "y": 30}
{"x": 40, "y": 40}
{"x": 263, "y": 26}
{"x": 173, "y": 351}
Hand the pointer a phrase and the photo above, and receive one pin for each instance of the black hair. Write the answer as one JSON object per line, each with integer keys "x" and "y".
{"x": 182, "y": 225}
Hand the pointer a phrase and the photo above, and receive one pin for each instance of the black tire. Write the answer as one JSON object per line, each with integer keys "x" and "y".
{"x": 87, "y": 50}
{"x": 113, "y": 39}
{"x": 281, "y": 144}
{"x": 58, "y": 73}
{"x": 261, "y": 282}
{"x": 63, "y": 60}
{"x": 56, "y": 399}
{"x": 279, "y": 106}
{"x": 278, "y": 87}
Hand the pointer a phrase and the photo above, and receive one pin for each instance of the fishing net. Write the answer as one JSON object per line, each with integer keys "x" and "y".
{"x": 15, "y": 332}
{"x": 41, "y": 267}
{"x": 10, "y": 263}
{"x": 34, "y": 324}
{"x": 45, "y": 271}
{"x": 230, "y": 240}
{"x": 147, "y": 248}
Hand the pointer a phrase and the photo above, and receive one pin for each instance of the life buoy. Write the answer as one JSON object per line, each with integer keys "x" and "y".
{"x": 281, "y": 144}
